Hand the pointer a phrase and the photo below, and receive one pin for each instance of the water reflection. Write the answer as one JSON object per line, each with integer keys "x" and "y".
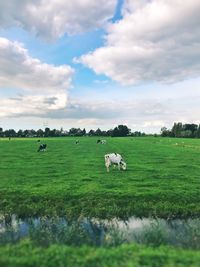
{"x": 92, "y": 231}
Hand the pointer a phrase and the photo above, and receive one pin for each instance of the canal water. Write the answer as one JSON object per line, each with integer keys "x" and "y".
{"x": 46, "y": 230}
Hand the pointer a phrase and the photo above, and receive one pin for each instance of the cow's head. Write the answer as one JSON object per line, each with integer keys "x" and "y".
{"x": 123, "y": 165}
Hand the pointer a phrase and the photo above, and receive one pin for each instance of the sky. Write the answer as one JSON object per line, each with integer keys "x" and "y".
{"x": 90, "y": 64}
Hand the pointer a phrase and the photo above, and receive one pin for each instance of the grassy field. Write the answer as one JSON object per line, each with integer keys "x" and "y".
{"x": 162, "y": 180}
{"x": 162, "y": 177}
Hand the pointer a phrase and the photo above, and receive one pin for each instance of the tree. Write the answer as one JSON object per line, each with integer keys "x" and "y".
{"x": 84, "y": 132}
{"x": 177, "y": 129}
{"x": 109, "y": 132}
{"x": 10, "y": 133}
{"x": 186, "y": 133}
{"x": 165, "y": 132}
{"x": 40, "y": 133}
{"x": 104, "y": 133}
{"x": 47, "y": 132}
{"x": 121, "y": 130}
{"x": 192, "y": 128}
{"x": 98, "y": 132}
{"x": 20, "y": 133}
{"x": 54, "y": 133}
{"x": 1, "y": 132}
{"x": 198, "y": 132}
{"x": 75, "y": 132}
{"x": 91, "y": 132}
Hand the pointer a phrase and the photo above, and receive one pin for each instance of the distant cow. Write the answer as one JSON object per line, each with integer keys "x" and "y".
{"x": 103, "y": 142}
{"x": 42, "y": 147}
{"x": 114, "y": 159}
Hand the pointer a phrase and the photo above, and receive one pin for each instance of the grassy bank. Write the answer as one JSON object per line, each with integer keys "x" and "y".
{"x": 26, "y": 254}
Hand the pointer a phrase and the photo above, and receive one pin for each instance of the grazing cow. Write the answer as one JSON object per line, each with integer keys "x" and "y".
{"x": 114, "y": 159}
{"x": 42, "y": 147}
{"x": 103, "y": 142}
{"x": 77, "y": 142}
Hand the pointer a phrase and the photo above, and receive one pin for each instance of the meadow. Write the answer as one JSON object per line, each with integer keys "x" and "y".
{"x": 161, "y": 180}
{"x": 162, "y": 177}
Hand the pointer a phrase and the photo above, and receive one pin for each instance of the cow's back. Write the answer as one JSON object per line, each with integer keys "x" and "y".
{"x": 113, "y": 157}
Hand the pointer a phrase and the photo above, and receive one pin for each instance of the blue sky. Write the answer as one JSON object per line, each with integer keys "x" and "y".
{"x": 98, "y": 64}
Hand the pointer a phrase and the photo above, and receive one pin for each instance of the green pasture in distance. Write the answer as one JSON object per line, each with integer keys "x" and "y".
{"x": 162, "y": 177}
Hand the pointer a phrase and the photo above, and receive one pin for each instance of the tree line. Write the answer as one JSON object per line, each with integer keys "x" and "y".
{"x": 179, "y": 129}
{"x": 119, "y": 131}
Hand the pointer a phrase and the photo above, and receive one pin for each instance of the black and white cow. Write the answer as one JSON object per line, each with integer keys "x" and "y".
{"x": 42, "y": 147}
{"x": 114, "y": 159}
{"x": 103, "y": 142}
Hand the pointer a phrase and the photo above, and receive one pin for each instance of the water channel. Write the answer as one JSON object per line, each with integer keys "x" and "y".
{"x": 46, "y": 230}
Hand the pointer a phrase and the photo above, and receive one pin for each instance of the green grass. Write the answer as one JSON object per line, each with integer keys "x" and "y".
{"x": 27, "y": 255}
{"x": 162, "y": 178}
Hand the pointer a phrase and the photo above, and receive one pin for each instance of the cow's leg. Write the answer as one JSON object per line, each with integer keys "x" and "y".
{"x": 107, "y": 165}
{"x": 119, "y": 167}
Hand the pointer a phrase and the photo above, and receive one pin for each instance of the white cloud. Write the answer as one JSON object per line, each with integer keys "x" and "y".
{"x": 155, "y": 40}
{"x": 57, "y": 106}
{"x": 32, "y": 106}
{"x": 51, "y": 19}
{"x": 40, "y": 88}
{"x": 20, "y": 70}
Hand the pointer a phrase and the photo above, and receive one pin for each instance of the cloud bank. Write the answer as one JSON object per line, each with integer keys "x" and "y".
{"x": 32, "y": 106}
{"x": 20, "y": 70}
{"x": 53, "y": 18}
{"x": 157, "y": 40}
{"x": 40, "y": 87}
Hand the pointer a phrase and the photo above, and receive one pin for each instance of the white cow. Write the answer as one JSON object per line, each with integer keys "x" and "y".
{"x": 114, "y": 159}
